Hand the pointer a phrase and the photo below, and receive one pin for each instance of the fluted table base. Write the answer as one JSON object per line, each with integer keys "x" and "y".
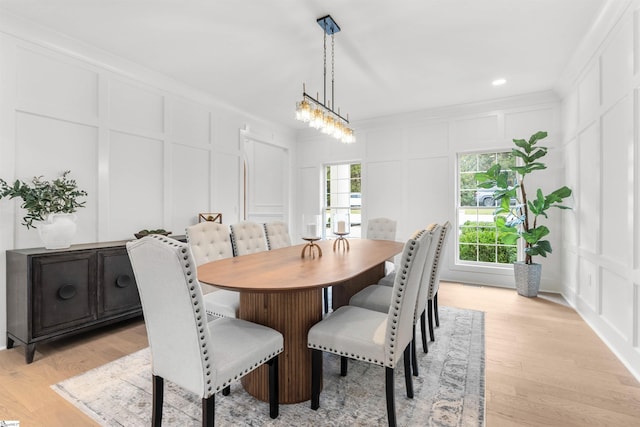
{"x": 292, "y": 314}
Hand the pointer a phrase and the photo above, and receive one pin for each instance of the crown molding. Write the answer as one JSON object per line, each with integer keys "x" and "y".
{"x": 591, "y": 45}
{"x": 27, "y": 31}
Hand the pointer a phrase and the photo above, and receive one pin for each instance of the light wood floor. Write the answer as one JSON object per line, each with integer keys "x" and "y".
{"x": 544, "y": 367}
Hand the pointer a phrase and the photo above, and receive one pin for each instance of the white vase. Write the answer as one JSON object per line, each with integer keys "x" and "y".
{"x": 58, "y": 230}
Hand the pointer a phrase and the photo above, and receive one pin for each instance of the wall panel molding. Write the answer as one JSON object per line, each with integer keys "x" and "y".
{"x": 607, "y": 186}
{"x": 133, "y": 138}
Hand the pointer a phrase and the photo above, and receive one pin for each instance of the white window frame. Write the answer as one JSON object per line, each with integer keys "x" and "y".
{"x": 343, "y": 205}
{"x": 471, "y": 264}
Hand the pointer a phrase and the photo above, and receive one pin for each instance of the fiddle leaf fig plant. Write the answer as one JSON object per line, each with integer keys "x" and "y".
{"x": 520, "y": 219}
{"x": 41, "y": 198}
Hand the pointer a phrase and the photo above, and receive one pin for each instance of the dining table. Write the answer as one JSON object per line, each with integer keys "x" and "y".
{"x": 283, "y": 290}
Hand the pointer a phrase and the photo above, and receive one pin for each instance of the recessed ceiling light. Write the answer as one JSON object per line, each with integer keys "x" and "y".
{"x": 499, "y": 82}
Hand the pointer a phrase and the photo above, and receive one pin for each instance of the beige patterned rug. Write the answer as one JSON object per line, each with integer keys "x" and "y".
{"x": 448, "y": 392}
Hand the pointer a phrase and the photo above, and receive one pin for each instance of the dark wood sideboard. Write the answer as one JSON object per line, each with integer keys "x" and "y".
{"x": 55, "y": 293}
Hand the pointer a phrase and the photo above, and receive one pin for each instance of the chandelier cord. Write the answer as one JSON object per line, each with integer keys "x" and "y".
{"x": 332, "y": 70}
{"x": 324, "y": 62}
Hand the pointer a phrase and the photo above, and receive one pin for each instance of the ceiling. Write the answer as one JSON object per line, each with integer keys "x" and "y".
{"x": 390, "y": 57}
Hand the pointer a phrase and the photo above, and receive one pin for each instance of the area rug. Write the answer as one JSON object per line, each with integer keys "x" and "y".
{"x": 448, "y": 392}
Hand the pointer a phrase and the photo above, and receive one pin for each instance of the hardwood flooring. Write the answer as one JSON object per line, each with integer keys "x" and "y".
{"x": 544, "y": 366}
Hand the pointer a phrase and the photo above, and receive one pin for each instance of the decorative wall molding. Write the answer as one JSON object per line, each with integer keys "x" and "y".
{"x": 601, "y": 110}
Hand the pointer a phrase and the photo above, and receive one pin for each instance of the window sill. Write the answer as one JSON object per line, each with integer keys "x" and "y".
{"x": 503, "y": 269}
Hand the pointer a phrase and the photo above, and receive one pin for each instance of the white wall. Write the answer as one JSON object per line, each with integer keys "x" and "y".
{"x": 600, "y": 129}
{"x": 150, "y": 152}
{"x": 409, "y": 170}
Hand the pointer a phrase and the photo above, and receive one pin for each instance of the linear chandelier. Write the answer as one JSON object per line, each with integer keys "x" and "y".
{"x": 320, "y": 115}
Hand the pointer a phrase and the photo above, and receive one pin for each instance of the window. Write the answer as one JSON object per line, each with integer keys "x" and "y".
{"x": 478, "y": 239}
{"x": 343, "y": 194}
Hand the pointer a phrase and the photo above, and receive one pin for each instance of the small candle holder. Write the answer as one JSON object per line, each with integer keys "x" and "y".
{"x": 341, "y": 226}
{"x": 311, "y": 233}
{"x": 341, "y": 242}
{"x": 312, "y": 247}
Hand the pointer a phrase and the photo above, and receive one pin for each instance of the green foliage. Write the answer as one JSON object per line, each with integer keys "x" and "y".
{"x": 479, "y": 242}
{"x": 41, "y": 198}
{"x": 521, "y": 220}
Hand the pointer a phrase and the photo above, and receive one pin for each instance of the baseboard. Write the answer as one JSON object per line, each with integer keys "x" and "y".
{"x": 626, "y": 354}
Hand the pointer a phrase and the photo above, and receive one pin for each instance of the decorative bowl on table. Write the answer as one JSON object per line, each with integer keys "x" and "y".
{"x": 140, "y": 234}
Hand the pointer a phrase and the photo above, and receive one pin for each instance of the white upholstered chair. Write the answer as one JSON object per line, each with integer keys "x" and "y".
{"x": 248, "y": 237}
{"x": 381, "y": 229}
{"x": 201, "y": 356}
{"x": 371, "y": 336}
{"x": 434, "y": 284}
{"x": 277, "y": 233}
{"x": 379, "y": 298}
{"x": 210, "y": 241}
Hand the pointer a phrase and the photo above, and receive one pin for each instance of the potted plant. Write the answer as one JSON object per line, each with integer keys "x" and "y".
{"x": 49, "y": 205}
{"x": 517, "y": 215}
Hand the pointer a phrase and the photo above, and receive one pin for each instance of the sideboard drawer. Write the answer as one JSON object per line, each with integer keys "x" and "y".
{"x": 63, "y": 292}
{"x": 117, "y": 290}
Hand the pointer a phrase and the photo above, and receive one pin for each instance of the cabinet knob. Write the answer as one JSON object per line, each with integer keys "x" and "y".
{"x": 123, "y": 281}
{"x": 67, "y": 292}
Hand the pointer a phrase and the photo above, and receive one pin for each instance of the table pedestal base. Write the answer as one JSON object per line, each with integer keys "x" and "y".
{"x": 343, "y": 292}
{"x": 292, "y": 314}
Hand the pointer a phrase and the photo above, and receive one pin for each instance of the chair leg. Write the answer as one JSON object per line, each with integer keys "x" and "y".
{"x": 391, "y": 404}
{"x": 316, "y": 378}
{"x": 423, "y": 330}
{"x": 274, "y": 389}
{"x": 430, "y": 314}
{"x": 414, "y": 356}
{"x": 325, "y": 292}
{"x": 209, "y": 411}
{"x": 226, "y": 391}
{"x": 408, "y": 379}
{"x": 435, "y": 309}
{"x": 343, "y": 366}
{"x": 158, "y": 397}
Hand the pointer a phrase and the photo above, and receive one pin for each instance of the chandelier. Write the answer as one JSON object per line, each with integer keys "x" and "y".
{"x": 320, "y": 115}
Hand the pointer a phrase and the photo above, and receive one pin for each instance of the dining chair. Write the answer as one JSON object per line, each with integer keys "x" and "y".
{"x": 370, "y": 336}
{"x": 277, "y": 234}
{"x": 201, "y": 356}
{"x": 379, "y": 298}
{"x": 210, "y": 241}
{"x": 382, "y": 229}
{"x": 434, "y": 284}
{"x": 248, "y": 237}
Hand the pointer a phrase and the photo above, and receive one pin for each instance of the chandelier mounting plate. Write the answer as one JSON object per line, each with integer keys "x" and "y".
{"x": 328, "y": 25}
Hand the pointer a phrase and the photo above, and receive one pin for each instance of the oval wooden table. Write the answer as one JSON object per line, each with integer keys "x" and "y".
{"x": 281, "y": 290}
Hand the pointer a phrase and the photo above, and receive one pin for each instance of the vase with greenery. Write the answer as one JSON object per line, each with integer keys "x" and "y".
{"x": 518, "y": 214}
{"x": 48, "y": 203}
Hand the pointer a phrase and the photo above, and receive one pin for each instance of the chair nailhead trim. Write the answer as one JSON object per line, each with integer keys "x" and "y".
{"x": 203, "y": 337}
{"x": 342, "y": 353}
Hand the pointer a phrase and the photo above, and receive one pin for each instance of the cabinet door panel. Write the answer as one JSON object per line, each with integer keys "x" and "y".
{"x": 117, "y": 290}
{"x": 64, "y": 292}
